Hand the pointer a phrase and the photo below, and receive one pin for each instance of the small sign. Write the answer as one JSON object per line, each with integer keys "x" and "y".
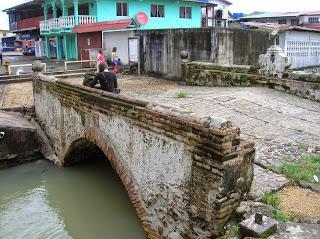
{"x": 134, "y": 49}
{"x": 142, "y": 18}
{"x": 134, "y": 52}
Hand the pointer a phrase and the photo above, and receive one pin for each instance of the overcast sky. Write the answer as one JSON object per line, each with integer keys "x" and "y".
{"x": 246, "y": 6}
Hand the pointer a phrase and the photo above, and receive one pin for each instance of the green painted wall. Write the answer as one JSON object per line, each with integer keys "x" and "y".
{"x": 106, "y": 11}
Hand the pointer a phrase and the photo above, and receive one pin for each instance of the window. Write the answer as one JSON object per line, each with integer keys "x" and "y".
{"x": 122, "y": 9}
{"x": 282, "y": 21}
{"x": 294, "y": 22}
{"x": 185, "y": 12}
{"x": 207, "y": 16}
{"x": 314, "y": 20}
{"x": 157, "y": 10}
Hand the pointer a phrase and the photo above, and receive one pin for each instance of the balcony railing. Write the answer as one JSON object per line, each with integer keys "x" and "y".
{"x": 65, "y": 23}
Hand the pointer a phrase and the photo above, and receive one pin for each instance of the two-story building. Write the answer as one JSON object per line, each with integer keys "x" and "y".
{"x": 24, "y": 20}
{"x": 303, "y": 19}
{"x": 78, "y": 26}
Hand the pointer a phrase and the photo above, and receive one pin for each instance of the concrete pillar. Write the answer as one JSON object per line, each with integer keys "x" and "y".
{"x": 58, "y": 44}
{"x": 65, "y": 45}
{"x": 45, "y": 11}
{"x": 48, "y": 48}
{"x": 76, "y": 46}
{"x": 76, "y": 11}
{"x": 54, "y": 9}
{"x": 64, "y": 8}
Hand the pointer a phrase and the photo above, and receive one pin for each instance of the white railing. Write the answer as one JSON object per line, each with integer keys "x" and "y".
{"x": 20, "y": 71}
{"x": 44, "y": 25}
{"x": 85, "y": 19}
{"x": 66, "y": 63}
{"x": 67, "y": 22}
{"x": 54, "y": 23}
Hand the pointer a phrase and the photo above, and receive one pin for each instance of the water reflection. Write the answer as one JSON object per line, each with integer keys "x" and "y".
{"x": 39, "y": 200}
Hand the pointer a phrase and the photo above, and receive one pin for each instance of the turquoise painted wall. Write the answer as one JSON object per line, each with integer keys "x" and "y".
{"x": 106, "y": 11}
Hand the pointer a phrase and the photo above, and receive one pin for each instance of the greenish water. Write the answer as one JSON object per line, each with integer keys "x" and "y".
{"x": 87, "y": 201}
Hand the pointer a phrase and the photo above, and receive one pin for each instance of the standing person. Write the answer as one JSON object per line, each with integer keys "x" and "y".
{"x": 100, "y": 59}
{"x": 108, "y": 80}
{"x": 115, "y": 60}
{"x": 1, "y": 49}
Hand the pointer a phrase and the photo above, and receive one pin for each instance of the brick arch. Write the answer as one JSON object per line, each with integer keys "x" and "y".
{"x": 95, "y": 136}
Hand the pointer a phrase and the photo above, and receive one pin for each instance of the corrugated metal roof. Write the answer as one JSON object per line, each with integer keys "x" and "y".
{"x": 273, "y": 15}
{"x": 281, "y": 27}
{"x": 312, "y": 13}
{"x": 104, "y": 26}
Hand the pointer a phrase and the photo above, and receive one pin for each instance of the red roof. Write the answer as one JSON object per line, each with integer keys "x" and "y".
{"x": 103, "y": 26}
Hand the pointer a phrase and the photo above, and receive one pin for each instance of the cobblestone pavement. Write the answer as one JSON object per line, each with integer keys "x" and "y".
{"x": 284, "y": 127}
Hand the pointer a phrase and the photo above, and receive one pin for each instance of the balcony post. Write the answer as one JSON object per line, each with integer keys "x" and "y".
{"x": 64, "y": 8}
{"x": 76, "y": 12}
{"x": 45, "y": 11}
{"x": 54, "y": 9}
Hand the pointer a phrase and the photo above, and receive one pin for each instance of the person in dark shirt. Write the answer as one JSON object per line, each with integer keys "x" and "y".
{"x": 106, "y": 79}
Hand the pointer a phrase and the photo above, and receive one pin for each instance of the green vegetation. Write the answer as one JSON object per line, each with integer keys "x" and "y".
{"x": 304, "y": 169}
{"x": 135, "y": 113}
{"x": 232, "y": 232}
{"x": 302, "y": 146}
{"x": 280, "y": 216}
{"x": 245, "y": 83}
{"x": 182, "y": 94}
{"x": 270, "y": 199}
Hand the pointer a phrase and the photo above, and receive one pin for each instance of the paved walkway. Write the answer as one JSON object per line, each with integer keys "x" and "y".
{"x": 284, "y": 127}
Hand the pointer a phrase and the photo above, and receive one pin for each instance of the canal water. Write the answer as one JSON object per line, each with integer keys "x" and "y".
{"x": 86, "y": 201}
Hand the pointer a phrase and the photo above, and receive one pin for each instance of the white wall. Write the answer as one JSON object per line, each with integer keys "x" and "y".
{"x": 119, "y": 40}
{"x": 302, "y": 46}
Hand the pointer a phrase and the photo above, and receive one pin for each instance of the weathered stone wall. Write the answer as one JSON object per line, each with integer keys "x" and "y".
{"x": 160, "y": 49}
{"x": 184, "y": 177}
{"x": 210, "y": 74}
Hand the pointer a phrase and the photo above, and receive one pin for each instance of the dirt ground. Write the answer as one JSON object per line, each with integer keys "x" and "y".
{"x": 21, "y": 94}
{"x": 18, "y": 95}
{"x": 133, "y": 85}
{"x": 300, "y": 203}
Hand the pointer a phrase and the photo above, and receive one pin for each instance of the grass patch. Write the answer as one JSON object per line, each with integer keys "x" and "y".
{"x": 304, "y": 169}
{"x": 232, "y": 232}
{"x": 302, "y": 146}
{"x": 182, "y": 94}
{"x": 280, "y": 216}
{"x": 270, "y": 199}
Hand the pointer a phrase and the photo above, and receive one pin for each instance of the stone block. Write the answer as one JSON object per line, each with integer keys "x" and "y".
{"x": 253, "y": 228}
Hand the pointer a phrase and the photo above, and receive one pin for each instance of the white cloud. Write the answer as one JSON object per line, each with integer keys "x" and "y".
{"x": 248, "y": 6}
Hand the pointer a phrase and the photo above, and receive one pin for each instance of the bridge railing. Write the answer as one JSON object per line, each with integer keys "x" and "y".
{"x": 66, "y": 63}
{"x": 22, "y": 66}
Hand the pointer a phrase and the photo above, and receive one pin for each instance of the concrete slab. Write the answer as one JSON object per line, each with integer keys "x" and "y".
{"x": 18, "y": 140}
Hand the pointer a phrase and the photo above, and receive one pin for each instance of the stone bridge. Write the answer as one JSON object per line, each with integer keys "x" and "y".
{"x": 184, "y": 175}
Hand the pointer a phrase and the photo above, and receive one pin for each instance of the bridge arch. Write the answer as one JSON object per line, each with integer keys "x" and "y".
{"x": 94, "y": 143}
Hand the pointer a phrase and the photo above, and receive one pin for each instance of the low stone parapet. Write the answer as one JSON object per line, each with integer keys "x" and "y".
{"x": 213, "y": 75}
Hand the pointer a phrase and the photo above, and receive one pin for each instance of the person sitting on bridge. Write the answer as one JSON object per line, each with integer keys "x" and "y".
{"x": 108, "y": 80}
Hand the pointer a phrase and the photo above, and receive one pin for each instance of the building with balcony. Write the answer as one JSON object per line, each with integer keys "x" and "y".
{"x": 76, "y": 26}
{"x": 71, "y": 28}
{"x": 24, "y": 20}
